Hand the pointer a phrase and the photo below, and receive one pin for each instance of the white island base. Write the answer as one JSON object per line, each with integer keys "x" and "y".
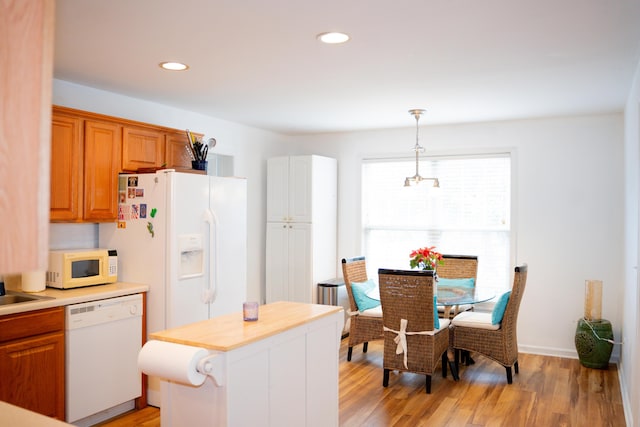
{"x": 281, "y": 370}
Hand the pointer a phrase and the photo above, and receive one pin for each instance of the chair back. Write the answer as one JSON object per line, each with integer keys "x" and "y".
{"x": 353, "y": 270}
{"x": 510, "y": 318}
{"x": 458, "y": 267}
{"x": 407, "y": 294}
{"x": 513, "y": 306}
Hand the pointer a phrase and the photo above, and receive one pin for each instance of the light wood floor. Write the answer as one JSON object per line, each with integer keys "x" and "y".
{"x": 548, "y": 391}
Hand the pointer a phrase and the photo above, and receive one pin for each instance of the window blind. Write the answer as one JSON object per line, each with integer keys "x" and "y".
{"x": 468, "y": 215}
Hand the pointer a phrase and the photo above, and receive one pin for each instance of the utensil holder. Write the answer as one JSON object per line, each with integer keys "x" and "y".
{"x": 200, "y": 165}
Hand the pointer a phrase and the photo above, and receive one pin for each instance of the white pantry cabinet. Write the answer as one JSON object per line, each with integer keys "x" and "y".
{"x": 301, "y": 226}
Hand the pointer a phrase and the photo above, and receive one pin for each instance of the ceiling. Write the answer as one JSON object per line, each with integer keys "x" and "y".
{"x": 259, "y": 63}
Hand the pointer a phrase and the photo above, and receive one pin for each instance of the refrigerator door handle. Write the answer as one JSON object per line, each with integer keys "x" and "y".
{"x": 212, "y": 280}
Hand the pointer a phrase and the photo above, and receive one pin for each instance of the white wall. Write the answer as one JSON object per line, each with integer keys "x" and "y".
{"x": 568, "y": 208}
{"x": 249, "y": 146}
{"x": 629, "y": 369}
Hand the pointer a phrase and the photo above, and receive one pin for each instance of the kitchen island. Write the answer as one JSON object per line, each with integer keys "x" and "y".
{"x": 279, "y": 370}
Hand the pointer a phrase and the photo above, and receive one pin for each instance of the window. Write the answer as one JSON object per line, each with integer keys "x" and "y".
{"x": 468, "y": 215}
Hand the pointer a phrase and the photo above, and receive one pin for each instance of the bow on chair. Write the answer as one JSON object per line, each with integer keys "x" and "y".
{"x": 401, "y": 338}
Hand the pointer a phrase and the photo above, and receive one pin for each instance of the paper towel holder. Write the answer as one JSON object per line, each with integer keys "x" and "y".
{"x": 213, "y": 368}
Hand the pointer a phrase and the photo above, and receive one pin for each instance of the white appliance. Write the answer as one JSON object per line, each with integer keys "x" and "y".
{"x": 101, "y": 370}
{"x": 184, "y": 235}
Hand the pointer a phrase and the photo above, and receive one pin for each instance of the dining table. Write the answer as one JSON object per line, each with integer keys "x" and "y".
{"x": 452, "y": 297}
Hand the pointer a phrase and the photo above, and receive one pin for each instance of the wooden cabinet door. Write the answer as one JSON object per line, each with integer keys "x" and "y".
{"x": 177, "y": 151}
{"x": 101, "y": 168}
{"x": 32, "y": 372}
{"x": 66, "y": 168}
{"x": 142, "y": 148}
{"x": 32, "y": 356}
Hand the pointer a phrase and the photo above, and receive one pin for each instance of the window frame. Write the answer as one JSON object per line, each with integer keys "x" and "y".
{"x": 509, "y": 153}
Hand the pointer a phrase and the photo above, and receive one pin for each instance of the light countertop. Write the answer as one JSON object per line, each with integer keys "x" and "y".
{"x": 62, "y": 297}
{"x": 15, "y": 416}
{"x": 227, "y": 332}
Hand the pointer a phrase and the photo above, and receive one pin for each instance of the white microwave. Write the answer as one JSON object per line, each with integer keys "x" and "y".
{"x": 82, "y": 267}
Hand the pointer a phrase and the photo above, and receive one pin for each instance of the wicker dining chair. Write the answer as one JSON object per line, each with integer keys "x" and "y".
{"x": 365, "y": 325}
{"x": 408, "y": 313}
{"x": 458, "y": 267}
{"x": 474, "y": 331}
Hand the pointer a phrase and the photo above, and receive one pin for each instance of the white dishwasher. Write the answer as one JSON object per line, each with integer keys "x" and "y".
{"x": 103, "y": 339}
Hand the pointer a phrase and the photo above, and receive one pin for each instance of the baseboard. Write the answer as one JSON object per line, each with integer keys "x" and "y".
{"x": 625, "y": 392}
{"x": 569, "y": 353}
{"x": 548, "y": 351}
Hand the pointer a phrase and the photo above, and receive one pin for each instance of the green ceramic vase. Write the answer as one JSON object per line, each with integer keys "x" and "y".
{"x": 594, "y": 352}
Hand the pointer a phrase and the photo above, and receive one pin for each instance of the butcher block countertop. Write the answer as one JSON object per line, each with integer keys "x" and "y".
{"x": 228, "y": 332}
{"x": 62, "y": 297}
{"x": 14, "y": 416}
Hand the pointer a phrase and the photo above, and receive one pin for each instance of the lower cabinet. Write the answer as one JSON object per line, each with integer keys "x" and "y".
{"x": 289, "y": 258}
{"x": 32, "y": 361}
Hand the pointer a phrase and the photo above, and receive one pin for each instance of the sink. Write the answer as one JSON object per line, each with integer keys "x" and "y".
{"x": 19, "y": 298}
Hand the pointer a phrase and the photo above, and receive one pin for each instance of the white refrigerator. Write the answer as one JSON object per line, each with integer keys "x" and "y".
{"x": 184, "y": 235}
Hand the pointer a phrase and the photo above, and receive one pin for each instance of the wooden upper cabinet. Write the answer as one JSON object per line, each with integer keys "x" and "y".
{"x": 101, "y": 167}
{"x": 89, "y": 150}
{"x": 177, "y": 150}
{"x": 66, "y": 168}
{"x": 142, "y": 148}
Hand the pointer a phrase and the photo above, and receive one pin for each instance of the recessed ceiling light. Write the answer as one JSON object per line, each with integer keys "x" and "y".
{"x": 333, "y": 37}
{"x": 174, "y": 66}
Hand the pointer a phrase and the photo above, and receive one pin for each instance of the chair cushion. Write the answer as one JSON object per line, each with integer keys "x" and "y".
{"x": 474, "y": 319}
{"x": 372, "y": 312}
{"x": 499, "y": 308}
{"x": 457, "y": 283}
{"x": 461, "y": 308}
{"x": 361, "y": 293}
{"x": 444, "y": 324}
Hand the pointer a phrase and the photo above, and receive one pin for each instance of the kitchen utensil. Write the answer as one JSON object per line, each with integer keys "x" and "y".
{"x": 190, "y": 144}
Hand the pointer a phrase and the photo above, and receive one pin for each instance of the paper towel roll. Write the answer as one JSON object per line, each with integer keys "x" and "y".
{"x": 33, "y": 281}
{"x": 171, "y": 361}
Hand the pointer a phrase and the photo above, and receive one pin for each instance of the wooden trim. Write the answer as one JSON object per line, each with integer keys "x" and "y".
{"x": 88, "y": 115}
{"x": 141, "y": 402}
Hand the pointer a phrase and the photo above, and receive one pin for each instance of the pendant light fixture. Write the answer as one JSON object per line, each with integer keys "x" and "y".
{"x": 416, "y": 179}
